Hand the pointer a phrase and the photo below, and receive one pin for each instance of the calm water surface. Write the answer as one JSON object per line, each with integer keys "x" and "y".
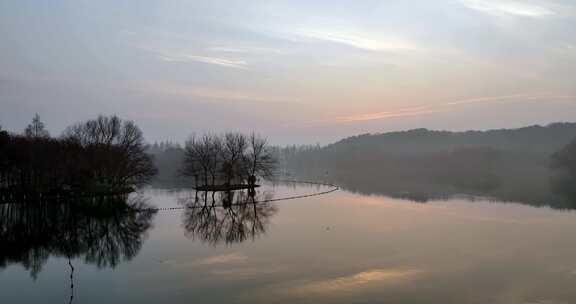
{"x": 335, "y": 248}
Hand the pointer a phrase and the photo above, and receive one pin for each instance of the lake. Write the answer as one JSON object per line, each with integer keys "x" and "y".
{"x": 340, "y": 247}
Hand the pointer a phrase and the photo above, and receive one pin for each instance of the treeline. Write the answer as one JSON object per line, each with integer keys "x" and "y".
{"x": 564, "y": 164}
{"x": 565, "y": 159}
{"x": 532, "y": 139}
{"x": 515, "y": 164}
{"x": 105, "y": 153}
{"x": 168, "y": 158}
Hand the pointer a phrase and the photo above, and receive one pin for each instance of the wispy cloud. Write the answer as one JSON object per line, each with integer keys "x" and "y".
{"x": 180, "y": 55}
{"x": 509, "y": 8}
{"x": 388, "y": 114}
{"x": 358, "y": 39}
{"x": 213, "y": 93}
{"x": 447, "y": 106}
{"x": 247, "y": 50}
{"x": 225, "y": 62}
{"x": 225, "y": 94}
{"x": 511, "y": 98}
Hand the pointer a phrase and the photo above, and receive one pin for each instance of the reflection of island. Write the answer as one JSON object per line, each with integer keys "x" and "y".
{"x": 102, "y": 231}
{"x": 228, "y": 216}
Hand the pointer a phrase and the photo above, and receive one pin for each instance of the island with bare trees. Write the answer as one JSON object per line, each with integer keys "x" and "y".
{"x": 230, "y": 161}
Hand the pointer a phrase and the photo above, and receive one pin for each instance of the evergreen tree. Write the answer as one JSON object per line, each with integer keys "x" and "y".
{"x": 36, "y": 128}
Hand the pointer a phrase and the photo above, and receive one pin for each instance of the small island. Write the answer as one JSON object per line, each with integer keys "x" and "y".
{"x": 227, "y": 162}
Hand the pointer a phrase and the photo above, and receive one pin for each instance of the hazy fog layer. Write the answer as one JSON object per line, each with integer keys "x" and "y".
{"x": 296, "y": 71}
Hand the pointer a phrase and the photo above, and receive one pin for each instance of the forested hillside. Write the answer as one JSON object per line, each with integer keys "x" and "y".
{"x": 507, "y": 163}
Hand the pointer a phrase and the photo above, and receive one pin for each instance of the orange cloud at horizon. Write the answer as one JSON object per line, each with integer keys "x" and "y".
{"x": 445, "y": 107}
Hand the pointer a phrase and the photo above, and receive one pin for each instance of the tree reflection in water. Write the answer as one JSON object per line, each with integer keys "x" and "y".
{"x": 102, "y": 231}
{"x": 228, "y": 216}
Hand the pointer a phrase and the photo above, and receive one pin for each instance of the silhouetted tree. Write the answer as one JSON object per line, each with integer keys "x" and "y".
{"x": 36, "y": 128}
{"x": 233, "y": 156}
{"x": 117, "y": 151}
{"x": 4, "y": 162}
{"x": 229, "y": 158}
{"x": 203, "y": 157}
{"x": 102, "y": 154}
{"x": 261, "y": 159}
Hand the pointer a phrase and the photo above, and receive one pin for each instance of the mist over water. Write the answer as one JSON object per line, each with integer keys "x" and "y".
{"x": 334, "y": 248}
{"x": 288, "y": 151}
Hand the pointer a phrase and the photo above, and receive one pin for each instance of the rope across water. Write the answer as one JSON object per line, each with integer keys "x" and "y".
{"x": 332, "y": 186}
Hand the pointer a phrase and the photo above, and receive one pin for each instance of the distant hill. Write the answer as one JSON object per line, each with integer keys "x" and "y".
{"x": 508, "y": 164}
{"x": 537, "y": 139}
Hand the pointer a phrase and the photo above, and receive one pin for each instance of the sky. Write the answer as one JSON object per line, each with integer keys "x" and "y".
{"x": 297, "y": 72}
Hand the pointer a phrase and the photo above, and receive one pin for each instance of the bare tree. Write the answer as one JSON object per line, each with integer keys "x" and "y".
{"x": 202, "y": 158}
{"x": 261, "y": 160}
{"x": 118, "y": 150}
{"x": 234, "y": 149}
{"x": 105, "y": 154}
{"x": 103, "y": 130}
{"x": 229, "y": 158}
{"x": 214, "y": 145}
